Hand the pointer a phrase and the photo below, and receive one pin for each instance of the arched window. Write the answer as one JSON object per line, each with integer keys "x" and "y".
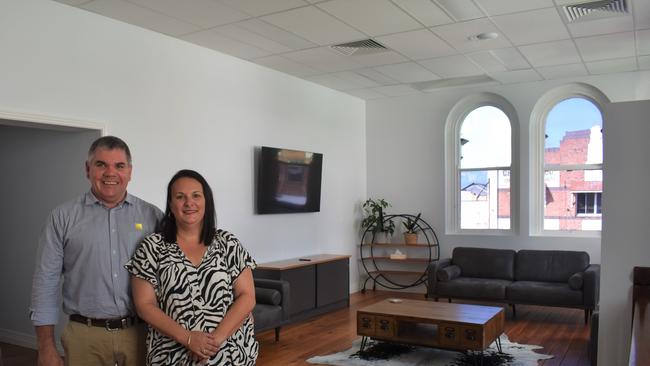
{"x": 567, "y": 176}
{"x": 480, "y": 179}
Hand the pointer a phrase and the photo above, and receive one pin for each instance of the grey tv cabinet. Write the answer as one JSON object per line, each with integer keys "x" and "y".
{"x": 317, "y": 283}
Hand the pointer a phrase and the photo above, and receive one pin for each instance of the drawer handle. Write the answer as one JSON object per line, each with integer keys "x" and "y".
{"x": 384, "y": 324}
{"x": 470, "y": 334}
{"x": 450, "y": 332}
{"x": 365, "y": 322}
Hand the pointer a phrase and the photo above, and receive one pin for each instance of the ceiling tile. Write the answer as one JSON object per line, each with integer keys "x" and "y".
{"x": 642, "y": 14}
{"x": 323, "y": 59}
{"x": 609, "y": 66}
{"x": 276, "y": 34}
{"x": 286, "y": 65}
{"x": 461, "y": 9}
{"x": 487, "y": 61}
{"x": 459, "y": 35}
{"x": 601, "y": 26}
{"x": 551, "y": 53}
{"x": 408, "y": 72}
{"x": 218, "y": 42}
{"x": 73, "y": 2}
{"x": 204, "y": 13}
{"x": 425, "y": 11}
{"x": 333, "y": 82}
{"x": 605, "y": 47}
{"x": 498, "y": 7}
{"x": 139, "y": 16}
{"x": 263, "y": 7}
{"x": 452, "y": 66}
{"x": 518, "y": 76}
{"x": 238, "y": 33}
{"x": 562, "y": 71}
{"x": 511, "y": 58}
{"x": 357, "y": 79}
{"x": 314, "y": 25}
{"x": 644, "y": 62}
{"x": 376, "y": 76}
{"x": 420, "y": 44}
{"x": 366, "y": 94}
{"x": 643, "y": 42}
{"x": 396, "y": 90}
{"x": 376, "y": 59}
{"x": 534, "y": 26}
{"x": 373, "y": 17}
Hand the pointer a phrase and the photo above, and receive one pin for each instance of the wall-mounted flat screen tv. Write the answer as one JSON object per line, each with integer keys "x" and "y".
{"x": 288, "y": 181}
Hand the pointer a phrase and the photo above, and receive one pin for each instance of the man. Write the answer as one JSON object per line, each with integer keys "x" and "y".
{"x": 85, "y": 243}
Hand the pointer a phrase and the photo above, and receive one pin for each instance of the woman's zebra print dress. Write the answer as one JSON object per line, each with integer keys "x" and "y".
{"x": 196, "y": 297}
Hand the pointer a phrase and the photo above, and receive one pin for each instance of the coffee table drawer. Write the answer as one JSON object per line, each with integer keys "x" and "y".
{"x": 384, "y": 326}
{"x": 365, "y": 324}
{"x": 471, "y": 337}
{"x": 449, "y": 335}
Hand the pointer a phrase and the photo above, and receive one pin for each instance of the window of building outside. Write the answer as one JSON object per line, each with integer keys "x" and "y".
{"x": 484, "y": 169}
{"x": 573, "y": 158}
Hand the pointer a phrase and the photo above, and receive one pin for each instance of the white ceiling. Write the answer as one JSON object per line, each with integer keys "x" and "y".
{"x": 427, "y": 40}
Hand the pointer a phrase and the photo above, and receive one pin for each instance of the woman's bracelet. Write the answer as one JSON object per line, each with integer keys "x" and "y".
{"x": 189, "y": 339}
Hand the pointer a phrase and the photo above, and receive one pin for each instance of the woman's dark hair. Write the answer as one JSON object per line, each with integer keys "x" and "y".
{"x": 167, "y": 226}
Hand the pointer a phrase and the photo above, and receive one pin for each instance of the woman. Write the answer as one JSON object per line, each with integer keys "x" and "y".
{"x": 193, "y": 284}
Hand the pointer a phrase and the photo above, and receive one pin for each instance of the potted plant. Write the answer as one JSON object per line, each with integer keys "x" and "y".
{"x": 374, "y": 220}
{"x": 412, "y": 228}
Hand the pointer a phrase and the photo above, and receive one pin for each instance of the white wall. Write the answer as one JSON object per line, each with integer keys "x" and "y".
{"x": 182, "y": 106}
{"x": 625, "y": 224}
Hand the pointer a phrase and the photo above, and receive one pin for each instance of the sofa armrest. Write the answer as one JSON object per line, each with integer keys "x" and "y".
{"x": 432, "y": 276}
{"x": 591, "y": 286}
{"x": 281, "y": 286}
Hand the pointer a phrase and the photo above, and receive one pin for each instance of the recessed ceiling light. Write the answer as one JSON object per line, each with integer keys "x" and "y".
{"x": 483, "y": 36}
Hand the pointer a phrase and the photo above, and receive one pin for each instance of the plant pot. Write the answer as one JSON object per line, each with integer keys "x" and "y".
{"x": 382, "y": 237}
{"x": 410, "y": 238}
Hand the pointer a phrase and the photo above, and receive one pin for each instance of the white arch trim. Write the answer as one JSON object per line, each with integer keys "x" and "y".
{"x": 536, "y": 138}
{"x": 455, "y": 119}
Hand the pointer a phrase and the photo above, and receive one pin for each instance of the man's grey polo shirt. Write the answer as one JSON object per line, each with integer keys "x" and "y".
{"x": 86, "y": 245}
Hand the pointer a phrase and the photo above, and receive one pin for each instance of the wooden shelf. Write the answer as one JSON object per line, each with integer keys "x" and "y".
{"x": 408, "y": 259}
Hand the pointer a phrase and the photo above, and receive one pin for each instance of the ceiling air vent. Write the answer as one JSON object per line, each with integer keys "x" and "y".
{"x": 595, "y": 10}
{"x": 357, "y": 48}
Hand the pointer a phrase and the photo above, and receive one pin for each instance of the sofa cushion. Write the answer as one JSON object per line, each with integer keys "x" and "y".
{"x": 485, "y": 263}
{"x": 549, "y": 265}
{"x": 267, "y": 296}
{"x": 576, "y": 281}
{"x": 448, "y": 273}
{"x": 473, "y": 288}
{"x": 543, "y": 293}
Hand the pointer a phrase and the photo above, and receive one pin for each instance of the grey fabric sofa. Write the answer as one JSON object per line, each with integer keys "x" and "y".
{"x": 535, "y": 277}
{"x": 271, "y": 305}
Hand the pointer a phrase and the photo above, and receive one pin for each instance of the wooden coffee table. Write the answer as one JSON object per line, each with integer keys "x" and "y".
{"x": 457, "y": 327}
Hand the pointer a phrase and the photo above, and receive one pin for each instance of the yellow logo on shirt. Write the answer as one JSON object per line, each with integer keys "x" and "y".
{"x": 138, "y": 226}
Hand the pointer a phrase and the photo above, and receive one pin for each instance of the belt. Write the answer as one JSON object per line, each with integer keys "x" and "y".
{"x": 109, "y": 324}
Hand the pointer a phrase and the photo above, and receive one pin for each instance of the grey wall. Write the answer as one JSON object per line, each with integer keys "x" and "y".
{"x": 41, "y": 169}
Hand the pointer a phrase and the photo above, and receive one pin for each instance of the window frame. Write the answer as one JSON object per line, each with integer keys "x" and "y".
{"x": 537, "y": 144}
{"x": 595, "y": 203}
{"x": 455, "y": 119}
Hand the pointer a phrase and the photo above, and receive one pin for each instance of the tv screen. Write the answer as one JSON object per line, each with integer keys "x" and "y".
{"x": 288, "y": 181}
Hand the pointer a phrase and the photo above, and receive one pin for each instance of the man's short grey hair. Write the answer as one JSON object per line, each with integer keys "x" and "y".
{"x": 109, "y": 143}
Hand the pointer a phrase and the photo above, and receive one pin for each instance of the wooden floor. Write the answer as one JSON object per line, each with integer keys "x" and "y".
{"x": 560, "y": 331}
